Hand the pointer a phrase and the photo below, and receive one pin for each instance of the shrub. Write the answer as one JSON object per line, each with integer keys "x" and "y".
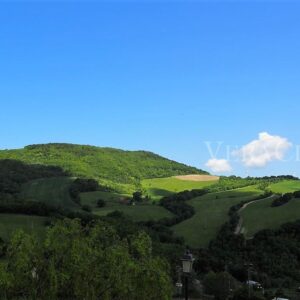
{"x": 101, "y": 203}
{"x": 86, "y": 208}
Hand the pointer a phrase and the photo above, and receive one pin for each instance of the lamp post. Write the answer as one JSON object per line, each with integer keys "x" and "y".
{"x": 187, "y": 267}
{"x": 249, "y": 266}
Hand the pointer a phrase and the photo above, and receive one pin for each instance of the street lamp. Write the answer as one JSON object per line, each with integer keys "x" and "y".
{"x": 249, "y": 266}
{"x": 187, "y": 267}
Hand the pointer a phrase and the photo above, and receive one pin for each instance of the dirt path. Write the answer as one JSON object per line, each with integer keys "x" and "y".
{"x": 239, "y": 227}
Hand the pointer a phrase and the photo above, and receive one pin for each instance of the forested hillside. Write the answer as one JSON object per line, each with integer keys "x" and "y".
{"x": 105, "y": 164}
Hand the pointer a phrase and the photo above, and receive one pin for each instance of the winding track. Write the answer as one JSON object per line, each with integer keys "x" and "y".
{"x": 239, "y": 228}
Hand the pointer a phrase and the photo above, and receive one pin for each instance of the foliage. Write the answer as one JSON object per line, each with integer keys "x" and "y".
{"x": 285, "y": 198}
{"x": 176, "y": 204}
{"x": 81, "y": 185}
{"x": 234, "y": 182}
{"x": 78, "y": 262}
{"x": 101, "y": 203}
{"x": 101, "y": 163}
{"x": 9, "y": 223}
{"x": 275, "y": 255}
{"x": 137, "y": 196}
{"x": 243, "y": 294}
{"x": 219, "y": 284}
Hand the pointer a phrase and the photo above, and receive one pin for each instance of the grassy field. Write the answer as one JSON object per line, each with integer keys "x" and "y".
{"x": 211, "y": 214}
{"x": 286, "y": 186}
{"x": 160, "y": 187}
{"x": 54, "y": 191}
{"x": 260, "y": 215}
{"x": 30, "y": 224}
{"x": 91, "y": 198}
{"x": 137, "y": 212}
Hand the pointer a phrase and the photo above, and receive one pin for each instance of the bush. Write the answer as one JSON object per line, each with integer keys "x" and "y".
{"x": 282, "y": 200}
{"x": 297, "y": 194}
{"x": 101, "y": 203}
{"x": 86, "y": 208}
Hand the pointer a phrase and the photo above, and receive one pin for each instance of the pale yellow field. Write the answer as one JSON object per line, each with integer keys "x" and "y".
{"x": 194, "y": 177}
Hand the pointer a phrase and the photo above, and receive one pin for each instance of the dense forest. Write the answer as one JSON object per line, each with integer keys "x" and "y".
{"x": 106, "y": 164}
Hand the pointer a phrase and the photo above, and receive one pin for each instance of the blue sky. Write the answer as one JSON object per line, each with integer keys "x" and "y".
{"x": 160, "y": 76}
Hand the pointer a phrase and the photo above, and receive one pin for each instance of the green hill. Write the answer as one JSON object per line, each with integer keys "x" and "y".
{"x": 109, "y": 166}
{"x": 211, "y": 213}
{"x": 285, "y": 186}
{"x": 261, "y": 215}
{"x": 53, "y": 191}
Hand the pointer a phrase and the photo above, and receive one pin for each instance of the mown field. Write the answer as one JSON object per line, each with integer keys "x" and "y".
{"x": 140, "y": 212}
{"x": 91, "y": 198}
{"x": 9, "y": 223}
{"x": 286, "y": 186}
{"x": 260, "y": 215}
{"x": 160, "y": 187}
{"x": 113, "y": 201}
{"x": 53, "y": 191}
{"x": 211, "y": 213}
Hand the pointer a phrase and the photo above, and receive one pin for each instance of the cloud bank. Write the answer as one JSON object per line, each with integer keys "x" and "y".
{"x": 219, "y": 165}
{"x": 265, "y": 149}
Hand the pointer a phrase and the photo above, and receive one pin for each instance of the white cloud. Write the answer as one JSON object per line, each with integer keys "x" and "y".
{"x": 219, "y": 165}
{"x": 265, "y": 149}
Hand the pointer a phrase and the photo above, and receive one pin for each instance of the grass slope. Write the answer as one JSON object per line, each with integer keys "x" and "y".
{"x": 145, "y": 212}
{"x": 138, "y": 212}
{"x": 260, "y": 215}
{"x": 286, "y": 186}
{"x": 106, "y": 164}
{"x": 53, "y": 191}
{"x": 9, "y": 223}
{"x": 160, "y": 187}
{"x": 91, "y": 198}
{"x": 211, "y": 213}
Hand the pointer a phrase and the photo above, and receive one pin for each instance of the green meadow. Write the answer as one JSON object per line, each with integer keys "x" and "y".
{"x": 113, "y": 201}
{"x": 211, "y": 213}
{"x": 286, "y": 186}
{"x": 52, "y": 191}
{"x": 160, "y": 187}
{"x": 260, "y": 215}
{"x": 139, "y": 212}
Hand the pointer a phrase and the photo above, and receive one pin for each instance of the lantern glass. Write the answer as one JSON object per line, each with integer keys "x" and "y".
{"x": 187, "y": 265}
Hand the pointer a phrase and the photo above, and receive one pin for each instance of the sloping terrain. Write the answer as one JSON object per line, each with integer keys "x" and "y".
{"x": 52, "y": 191}
{"x": 160, "y": 187}
{"x": 211, "y": 213}
{"x": 260, "y": 215}
{"x": 285, "y": 186}
{"x": 106, "y": 164}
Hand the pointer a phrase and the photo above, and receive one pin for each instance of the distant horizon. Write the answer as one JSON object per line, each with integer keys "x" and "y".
{"x": 145, "y": 150}
{"x": 212, "y": 85}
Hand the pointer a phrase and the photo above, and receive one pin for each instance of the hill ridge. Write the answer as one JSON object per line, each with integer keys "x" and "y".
{"x": 108, "y": 165}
